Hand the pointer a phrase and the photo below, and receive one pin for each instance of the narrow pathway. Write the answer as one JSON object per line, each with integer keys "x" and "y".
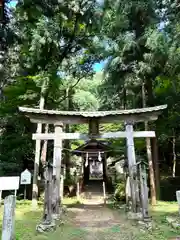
{"x": 98, "y": 222}
{"x": 92, "y": 220}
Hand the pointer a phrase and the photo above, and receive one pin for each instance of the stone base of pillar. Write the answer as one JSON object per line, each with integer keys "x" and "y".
{"x": 135, "y": 216}
{"x": 46, "y": 226}
{"x": 56, "y": 217}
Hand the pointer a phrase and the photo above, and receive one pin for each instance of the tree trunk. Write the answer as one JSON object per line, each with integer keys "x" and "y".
{"x": 44, "y": 148}
{"x": 174, "y": 154}
{"x": 151, "y": 171}
{"x": 67, "y": 129}
{"x": 149, "y": 88}
{"x": 62, "y": 184}
{"x": 37, "y": 158}
{"x": 38, "y": 147}
{"x": 149, "y": 156}
{"x": 155, "y": 155}
{"x": 67, "y": 153}
{"x": 125, "y": 98}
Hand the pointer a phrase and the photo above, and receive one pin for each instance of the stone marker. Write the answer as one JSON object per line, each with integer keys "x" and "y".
{"x": 178, "y": 199}
{"x": 8, "y": 218}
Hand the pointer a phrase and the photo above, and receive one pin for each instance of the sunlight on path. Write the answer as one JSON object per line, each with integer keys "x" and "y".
{"x": 95, "y": 217}
{"x": 99, "y": 221}
{"x": 92, "y": 220}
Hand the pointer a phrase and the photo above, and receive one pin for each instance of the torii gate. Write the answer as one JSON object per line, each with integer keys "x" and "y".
{"x": 58, "y": 118}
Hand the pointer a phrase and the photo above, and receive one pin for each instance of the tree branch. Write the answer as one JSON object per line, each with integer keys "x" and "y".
{"x": 69, "y": 45}
{"x": 73, "y": 86}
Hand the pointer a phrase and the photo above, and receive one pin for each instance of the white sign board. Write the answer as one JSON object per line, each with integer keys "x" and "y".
{"x": 9, "y": 183}
{"x": 26, "y": 177}
{"x": 178, "y": 197}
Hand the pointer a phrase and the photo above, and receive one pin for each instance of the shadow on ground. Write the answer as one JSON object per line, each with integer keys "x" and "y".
{"x": 83, "y": 206}
{"x": 86, "y": 221}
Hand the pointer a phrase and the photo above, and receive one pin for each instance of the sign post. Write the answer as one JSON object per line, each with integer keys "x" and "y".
{"x": 25, "y": 180}
{"x": 178, "y": 199}
{"x": 9, "y": 183}
{"x": 0, "y": 196}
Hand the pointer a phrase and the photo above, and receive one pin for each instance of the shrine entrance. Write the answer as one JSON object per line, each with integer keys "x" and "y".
{"x": 94, "y": 154}
{"x": 138, "y": 192}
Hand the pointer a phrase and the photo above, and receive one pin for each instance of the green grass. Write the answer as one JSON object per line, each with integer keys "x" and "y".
{"x": 161, "y": 229}
{"x": 159, "y": 214}
{"x": 26, "y": 221}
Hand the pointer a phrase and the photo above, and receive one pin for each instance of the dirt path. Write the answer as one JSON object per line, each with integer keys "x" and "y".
{"x": 98, "y": 222}
{"x": 94, "y": 221}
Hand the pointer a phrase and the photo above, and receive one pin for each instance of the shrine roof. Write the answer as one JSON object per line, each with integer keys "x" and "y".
{"x": 94, "y": 144}
{"x": 94, "y": 114}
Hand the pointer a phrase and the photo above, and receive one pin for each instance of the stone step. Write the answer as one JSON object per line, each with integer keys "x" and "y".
{"x": 90, "y": 195}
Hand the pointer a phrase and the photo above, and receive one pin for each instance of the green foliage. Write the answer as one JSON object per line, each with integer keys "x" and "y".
{"x": 15, "y": 140}
{"x": 49, "y": 47}
{"x": 119, "y": 193}
{"x": 143, "y": 48}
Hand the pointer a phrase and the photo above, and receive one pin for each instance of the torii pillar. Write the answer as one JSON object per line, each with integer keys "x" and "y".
{"x": 131, "y": 162}
{"x": 57, "y": 160}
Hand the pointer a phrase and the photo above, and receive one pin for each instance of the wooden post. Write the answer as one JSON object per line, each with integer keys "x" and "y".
{"x": 25, "y": 192}
{"x": 47, "y": 223}
{"x": 104, "y": 192}
{"x": 143, "y": 191}
{"x": 128, "y": 191}
{"x": 105, "y": 168}
{"x": 48, "y": 195}
{"x": 131, "y": 162}
{"x": 178, "y": 199}
{"x": 0, "y": 197}
{"x": 8, "y": 218}
{"x": 47, "y": 214}
{"x": 62, "y": 184}
{"x": 156, "y": 166}
{"x": 57, "y": 157}
{"x": 137, "y": 191}
{"x": 78, "y": 192}
{"x": 151, "y": 172}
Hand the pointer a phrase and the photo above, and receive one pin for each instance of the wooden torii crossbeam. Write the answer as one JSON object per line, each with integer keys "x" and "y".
{"x": 74, "y": 117}
{"x": 70, "y": 136}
